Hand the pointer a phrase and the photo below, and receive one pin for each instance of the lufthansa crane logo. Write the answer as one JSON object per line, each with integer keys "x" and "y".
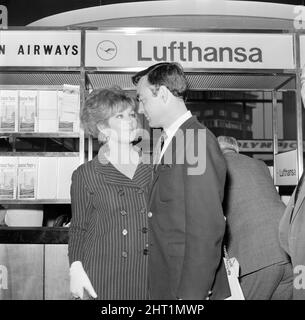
{"x": 106, "y": 50}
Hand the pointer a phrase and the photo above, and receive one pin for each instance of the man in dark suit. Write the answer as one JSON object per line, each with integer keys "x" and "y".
{"x": 253, "y": 210}
{"x": 292, "y": 228}
{"x": 186, "y": 218}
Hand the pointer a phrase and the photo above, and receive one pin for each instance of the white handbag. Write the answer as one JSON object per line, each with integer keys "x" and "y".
{"x": 232, "y": 268}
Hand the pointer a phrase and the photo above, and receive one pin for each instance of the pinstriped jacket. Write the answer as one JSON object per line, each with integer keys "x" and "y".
{"x": 108, "y": 231}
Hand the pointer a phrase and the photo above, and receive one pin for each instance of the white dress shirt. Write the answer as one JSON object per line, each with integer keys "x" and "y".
{"x": 172, "y": 129}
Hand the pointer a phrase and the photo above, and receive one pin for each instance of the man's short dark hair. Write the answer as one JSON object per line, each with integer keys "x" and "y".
{"x": 166, "y": 74}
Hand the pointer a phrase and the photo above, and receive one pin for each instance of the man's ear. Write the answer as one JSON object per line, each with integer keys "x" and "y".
{"x": 164, "y": 93}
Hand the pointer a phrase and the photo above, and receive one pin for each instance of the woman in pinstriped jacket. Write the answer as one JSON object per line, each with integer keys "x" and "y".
{"x": 108, "y": 241}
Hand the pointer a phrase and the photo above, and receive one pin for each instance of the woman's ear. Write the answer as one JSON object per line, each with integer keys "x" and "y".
{"x": 104, "y": 132}
{"x": 100, "y": 126}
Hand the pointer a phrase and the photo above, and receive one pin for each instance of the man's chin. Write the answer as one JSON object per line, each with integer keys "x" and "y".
{"x": 151, "y": 124}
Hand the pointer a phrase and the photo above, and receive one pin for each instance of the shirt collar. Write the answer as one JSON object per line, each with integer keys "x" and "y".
{"x": 171, "y": 130}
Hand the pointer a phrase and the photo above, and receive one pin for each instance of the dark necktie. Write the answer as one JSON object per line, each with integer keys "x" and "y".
{"x": 159, "y": 147}
{"x": 163, "y": 137}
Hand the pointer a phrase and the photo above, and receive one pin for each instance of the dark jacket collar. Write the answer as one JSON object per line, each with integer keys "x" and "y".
{"x": 172, "y": 149}
{"x": 172, "y": 146}
{"x": 298, "y": 202}
{"x": 188, "y": 123}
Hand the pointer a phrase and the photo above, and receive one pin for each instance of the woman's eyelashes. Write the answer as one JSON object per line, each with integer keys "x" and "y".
{"x": 121, "y": 116}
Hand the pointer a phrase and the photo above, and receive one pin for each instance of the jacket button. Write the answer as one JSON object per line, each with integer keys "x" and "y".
{"x": 209, "y": 294}
{"x": 144, "y": 230}
{"x": 149, "y": 214}
{"x": 124, "y": 254}
{"x": 140, "y": 191}
{"x": 145, "y": 252}
{"x": 121, "y": 192}
{"x": 143, "y": 210}
{"x": 123, "y": 212}
{"x": 124, "y": 232}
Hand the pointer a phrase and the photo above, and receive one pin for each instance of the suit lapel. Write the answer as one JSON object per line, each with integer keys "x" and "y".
{"x": 169, "y": 156}
{"x": 300, "y": 200}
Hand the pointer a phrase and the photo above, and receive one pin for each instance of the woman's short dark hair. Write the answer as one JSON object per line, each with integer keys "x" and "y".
{"x": 166, "y": 74}
{"x": 102, "y": 104}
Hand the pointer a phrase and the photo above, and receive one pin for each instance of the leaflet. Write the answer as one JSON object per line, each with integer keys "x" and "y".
{"x": 27, "y": 111}
{"x": 8, "y": 177}
{"x": 27, "y": 177}
{"x": 68, "y": 109}
{"x": 8, "y": 110}
{"x": 47, "y": 111}
{"x": 47, "y": 178}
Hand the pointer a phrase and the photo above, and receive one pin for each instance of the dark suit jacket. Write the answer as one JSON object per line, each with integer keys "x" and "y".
{"x": 253, "y": 209}
{"x": 187, "y": 223}
{"x": 292, "y": 237}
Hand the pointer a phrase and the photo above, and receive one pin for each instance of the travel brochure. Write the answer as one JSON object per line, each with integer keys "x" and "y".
{"x": 8, "y": 177}
{"x": 8, "y": 110}
{"x": 27, "y": 111}
{"x": 68, "y": 109}
{"x": 26, "y": 178}
{"x": 40, "y": 110}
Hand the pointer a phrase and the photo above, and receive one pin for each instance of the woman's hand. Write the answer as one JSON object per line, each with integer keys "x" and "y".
{"x": 80, "y": 281}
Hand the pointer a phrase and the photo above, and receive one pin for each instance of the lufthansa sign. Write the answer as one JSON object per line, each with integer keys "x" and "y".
{"x": 40, "y": 48}
{"x": 286, "y": 168}
{"x": 192, "y": 50}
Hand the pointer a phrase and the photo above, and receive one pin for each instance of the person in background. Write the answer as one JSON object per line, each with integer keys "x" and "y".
{"x": 292, "y": 228}
{"x": 108, "y": 236}
{"x": 253, "y": 210}
{"x": 292, "y": 237}
{"x": 186, "y": 224}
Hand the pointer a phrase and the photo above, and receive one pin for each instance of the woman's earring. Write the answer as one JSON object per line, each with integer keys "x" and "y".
{"x": 103, "y": 138}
